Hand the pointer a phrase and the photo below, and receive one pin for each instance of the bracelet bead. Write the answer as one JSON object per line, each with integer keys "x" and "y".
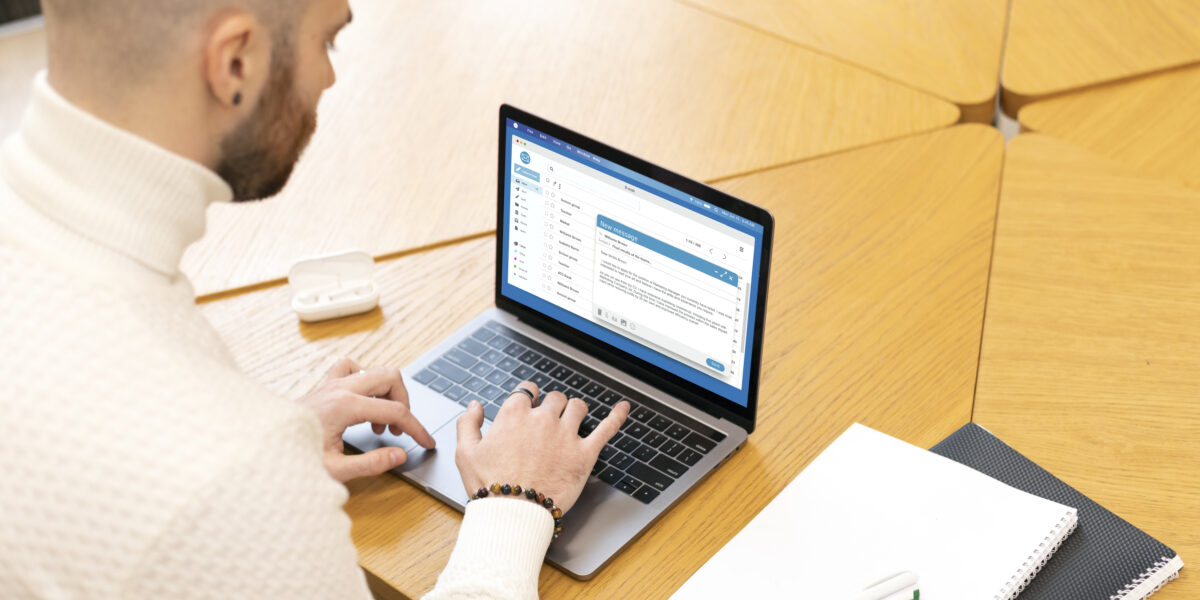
{"x": 556, "y": 513}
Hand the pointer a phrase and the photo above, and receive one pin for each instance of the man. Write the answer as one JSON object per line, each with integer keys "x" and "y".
{"x": 136, "y": 460}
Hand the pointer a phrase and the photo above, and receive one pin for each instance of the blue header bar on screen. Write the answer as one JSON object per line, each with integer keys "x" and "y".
{"x": 667, "y": 250}
{"x": 630, "y": 176}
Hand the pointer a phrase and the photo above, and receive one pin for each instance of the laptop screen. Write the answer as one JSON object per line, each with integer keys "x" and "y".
{"x": 630, "y": 261}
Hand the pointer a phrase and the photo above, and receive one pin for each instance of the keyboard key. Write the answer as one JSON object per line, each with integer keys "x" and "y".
{"x": 472, "y": 346}
{"x": 523, "y": 372}
{"x": 425, "y": 377}
{"x": 511, "y": 383}
{"x": 494, "y": 393}
{"x": 588, "y": 426}
{"x": 555, "y": 386}
{"x": 442, "y": 384}
{"x": 460, "y": 358}
{"x": 561, "y": 373}
{"x": 456, "y": 393}
{"x": 646, "y": 494}
{"x": 545, "y": 365}
{"x": 689, "y": 457}
{"x": 542, "y": 380}
{"x": 475, "y": 384}
{"x": 637, "y": 430}
{"x": 644, "y": 453}
{"x": 655, "y": 439}
{"x": 622, "y": 461}
{"x": 610, "y": 475}
{"x": 651, "y": 477}
{"x": 507, "y": 364}
{"x": 672, "y": 448}
{"x": 490, "y": 411}
{"x": 449, "y": 371}
{"x": 492, "y": 357}
{"x": 499, "y": 342}
{"x": 628, "y": 485}
{"x": 660, "y": 423}
{"x": 610, "y": 397}
{"x": 514, "y": 349}
{"x": 607, "y": 452}
{"x": 700, "y": 443}
{"x": 591, "y": 404}
{"x": 626, "y": 443}
{"x": 577, "y": 381}
{"x": 481, "y": 369}
{"x": 668, "y": 466}
{"x": 496, "y": 377}
{"x": 596, "y": 468}
{"x": 643, "y": 415}
{"x": 600, "y": 412}
{"x": 529, "y": 357}
{"x": 678, "y": 431}
{"x": 593, "y": 389}
{"x": 483, "y": 335}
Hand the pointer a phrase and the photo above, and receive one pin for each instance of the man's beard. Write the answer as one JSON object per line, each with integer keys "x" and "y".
{"x": 258, "y": 156}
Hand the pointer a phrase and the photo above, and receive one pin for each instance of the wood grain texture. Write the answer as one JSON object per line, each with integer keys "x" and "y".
{"x": 874, "y": 315}
{"x": 408, "y": 135}
{"x": 948, "y": 48}
{"x": 1090, "y": 363}
{"x": 1149, "y": 123}
{"x": 1059, "y": 45}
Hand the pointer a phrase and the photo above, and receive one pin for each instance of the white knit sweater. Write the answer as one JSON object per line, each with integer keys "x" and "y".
{"x": 136, "y": 460}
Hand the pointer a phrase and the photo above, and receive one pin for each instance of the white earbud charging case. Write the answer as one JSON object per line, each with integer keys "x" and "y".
{"x": 333, "y": 285}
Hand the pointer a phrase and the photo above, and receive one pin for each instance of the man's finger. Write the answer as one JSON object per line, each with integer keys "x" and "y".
{"x": 375, "y": 462}
{"x": 574, "y": 413}
{"x": 554, "y": 402}
{"x": 343, "y": 367}
{"x": 380, "y": 382}
{"x": 609, "y": 426}
{"x": 393, "y": 414}
{"x": 520, "y": 401}
{"x": 469, "y": 424}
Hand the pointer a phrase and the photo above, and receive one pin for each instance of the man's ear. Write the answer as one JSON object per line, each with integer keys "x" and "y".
{"x": 237, "y": 59}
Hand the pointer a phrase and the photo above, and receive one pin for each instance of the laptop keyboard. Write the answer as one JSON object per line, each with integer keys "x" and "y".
{"x": 655, "y": 446}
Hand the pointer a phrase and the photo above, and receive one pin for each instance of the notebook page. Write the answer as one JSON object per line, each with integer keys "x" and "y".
{"x": 871, "y": 506}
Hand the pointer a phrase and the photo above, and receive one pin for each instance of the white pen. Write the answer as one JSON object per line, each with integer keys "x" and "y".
{"x": 898, "y": 586}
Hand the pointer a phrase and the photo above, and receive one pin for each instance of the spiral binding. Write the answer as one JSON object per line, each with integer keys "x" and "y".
{"x": 1144, "y": 577}
{"x": 1038, "y": 558}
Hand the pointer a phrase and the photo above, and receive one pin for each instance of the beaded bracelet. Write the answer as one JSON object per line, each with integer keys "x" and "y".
{"x": 530, "y": 494}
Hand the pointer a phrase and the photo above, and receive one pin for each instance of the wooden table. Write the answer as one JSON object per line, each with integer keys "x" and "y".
{"x": 1090, "y": 362}
{"x": 1149, "y": 123}
{"x": 949, "y": 48}
{"x": 409, "y": 134}
{"x": 874, "y": 315}
{"x": 1059, "y": 45}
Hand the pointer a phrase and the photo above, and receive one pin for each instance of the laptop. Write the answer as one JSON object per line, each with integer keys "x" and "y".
{"x": 615, "y": 280}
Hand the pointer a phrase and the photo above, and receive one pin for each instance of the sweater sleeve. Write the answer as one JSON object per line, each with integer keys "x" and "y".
{"x": 269, "y": 524}
{"x": 499, "y": 553}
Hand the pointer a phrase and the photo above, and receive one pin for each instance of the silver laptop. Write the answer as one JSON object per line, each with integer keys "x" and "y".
{"x": 615, "y": 280}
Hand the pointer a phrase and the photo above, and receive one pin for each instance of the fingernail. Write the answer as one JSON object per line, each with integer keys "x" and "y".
{"x": 474, "y": 405}
{"x": 398, "y": 457}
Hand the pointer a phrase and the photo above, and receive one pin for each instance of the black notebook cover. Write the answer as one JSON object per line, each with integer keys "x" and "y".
{"x": 1102, "y": 560}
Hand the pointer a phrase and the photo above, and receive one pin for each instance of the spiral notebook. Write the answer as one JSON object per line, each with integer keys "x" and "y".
{"x": 871, "y": 506}
{"x": 1106, "y": 558}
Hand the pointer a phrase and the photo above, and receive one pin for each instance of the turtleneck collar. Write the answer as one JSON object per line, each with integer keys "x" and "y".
{"x": 108, "y": 185}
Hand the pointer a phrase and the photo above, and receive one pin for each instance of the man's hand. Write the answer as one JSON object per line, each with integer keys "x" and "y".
{"x": 534, "y": 447}
{"x": 349, "y": 396}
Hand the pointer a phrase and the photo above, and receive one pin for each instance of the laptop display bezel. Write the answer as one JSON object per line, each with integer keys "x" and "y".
{"x": 693, "y": 393}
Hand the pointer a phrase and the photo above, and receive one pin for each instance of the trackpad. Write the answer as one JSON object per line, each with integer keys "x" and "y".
{"x": 435, "y": 469}
{"x": 432, "y": 410}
